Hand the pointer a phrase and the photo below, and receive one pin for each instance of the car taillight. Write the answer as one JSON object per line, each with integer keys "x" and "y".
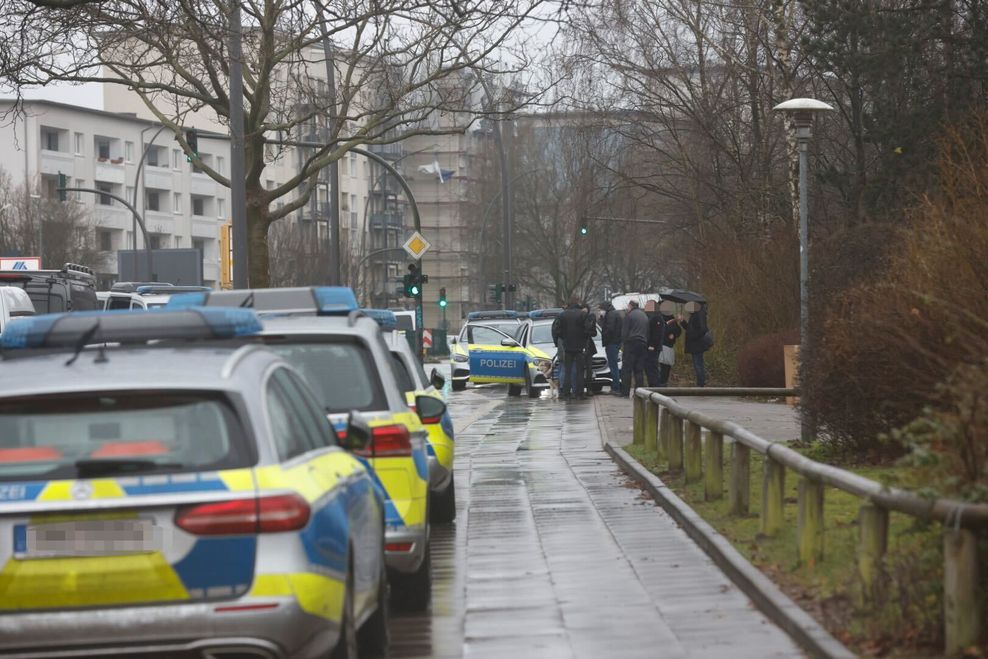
{"x": 286, "y": 512}
{"x": 388, "y": 442}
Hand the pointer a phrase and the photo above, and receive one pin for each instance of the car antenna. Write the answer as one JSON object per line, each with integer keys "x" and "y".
{"x": 85, "y": 338}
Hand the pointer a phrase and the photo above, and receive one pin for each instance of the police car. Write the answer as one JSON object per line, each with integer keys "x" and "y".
{"x": 488, "y": 349}
{"x": 129, "y": 295}
{"x": 412, "y": 380}
{"x": 537, "y": 335}
{"x": 206, "y": 511}
{"x": 342, "y": 354}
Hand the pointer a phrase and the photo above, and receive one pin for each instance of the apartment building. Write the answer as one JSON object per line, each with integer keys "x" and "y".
{"x": 181, "y": 206}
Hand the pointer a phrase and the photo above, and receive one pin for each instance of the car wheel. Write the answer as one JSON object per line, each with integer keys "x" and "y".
{"x": 514, "y": 390}
{"x": 346, "y": 646}
{"x": 443, "y": 508}
{"x": 596, "y": 388}
{"x": 459, "y": 385}
{"x": 413, "y": 592}
{"x": 533, "y": 392}
{"x": 374, "y": 637}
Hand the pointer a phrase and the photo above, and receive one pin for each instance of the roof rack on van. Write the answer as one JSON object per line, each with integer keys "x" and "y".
{"x": 492, "y": 315}
{"x": 169, "y": 289}
{"x": 75, "y": 267}
{"x": 66, "y": 330}
{"x": 132, "y": 286}
{"x": 320, "y": 300}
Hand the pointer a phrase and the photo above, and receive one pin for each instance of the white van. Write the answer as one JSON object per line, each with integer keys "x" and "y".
{"x": 14, "y": 303}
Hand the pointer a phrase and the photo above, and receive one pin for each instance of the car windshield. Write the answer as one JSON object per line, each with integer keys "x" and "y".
{"x": 402, "y": 376}
{"x": 342, "y": 374}
{"x": 542, "y": 334}
{"x": 77, "y": 435}
{"x": 484, "y": 335}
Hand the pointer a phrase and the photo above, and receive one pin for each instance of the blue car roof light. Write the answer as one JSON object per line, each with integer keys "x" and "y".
{"x": 493, "y": 315}
{"x": 551, "y": 312}
{"x": 65, "y": 330}
{"x": 334, "y": 300}
{"x": 384, "y": 317}
{"x": 186, "y": 300}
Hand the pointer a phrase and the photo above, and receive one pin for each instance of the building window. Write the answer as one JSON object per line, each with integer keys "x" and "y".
{"x": 221, "y": 208}
{"x": 79, "y": 183}
{"x": 176, "y": 159}
{"x": 152, "y": 203}
{"x": 198, "y": 206}
{"x": 103, "y": 199}
{"x": 343, "y": 166}
{"x": 353, "y": 165}
{"x": 155, "y": 241}
{"x": 102, "y": 148}
{"x": 129, "y": 151}
{"x": 353, "y": 219}
{"x": 152, "y": 157}
{"x": 177, "y": 203}
{"x": 105, "y": 241}
{"x": 199, "y": 244}
{"x": 80, "y": 144}
{"x": 220, "y": 165}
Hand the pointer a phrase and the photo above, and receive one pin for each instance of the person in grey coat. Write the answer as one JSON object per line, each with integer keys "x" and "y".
{"x": 634, "y": 337}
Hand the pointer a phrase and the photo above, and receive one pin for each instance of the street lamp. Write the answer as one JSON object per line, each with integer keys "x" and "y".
{"x": 800, "y": 111}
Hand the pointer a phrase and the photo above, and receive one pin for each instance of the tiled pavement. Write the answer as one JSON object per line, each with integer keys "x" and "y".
{"x": 556, "y": 554}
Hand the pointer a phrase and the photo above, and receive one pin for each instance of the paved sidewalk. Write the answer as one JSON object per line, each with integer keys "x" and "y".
{"x": 771, "y": 421}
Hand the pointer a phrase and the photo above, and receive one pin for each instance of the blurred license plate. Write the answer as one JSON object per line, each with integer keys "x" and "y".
{"x": 96, "y": 537}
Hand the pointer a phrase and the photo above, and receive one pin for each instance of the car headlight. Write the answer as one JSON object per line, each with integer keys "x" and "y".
{"x": 457, "y": 357}
{"x": 539, "y": 362}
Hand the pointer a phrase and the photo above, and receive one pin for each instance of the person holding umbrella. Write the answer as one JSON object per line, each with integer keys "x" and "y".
{"x": 698, "y": 337}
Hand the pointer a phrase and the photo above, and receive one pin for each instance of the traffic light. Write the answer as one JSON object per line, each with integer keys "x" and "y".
{"x": 413, "y": 281}
{"x": 63, "y": 182}
{"x": 442, "y": 298}
{"x": 584, "y": 229}
{"x": 498, "y": 289}
{"x": 192, "y": 139}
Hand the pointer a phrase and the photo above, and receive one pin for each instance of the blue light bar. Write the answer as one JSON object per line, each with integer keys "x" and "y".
{"x": 65, "y": 330}
{"x": 186, "y": 300}
{"x": 545, "y": 313}
{"x": 384, "y": 317}
{"x": 333, "y": 300}
{"x": 492, "y": 315}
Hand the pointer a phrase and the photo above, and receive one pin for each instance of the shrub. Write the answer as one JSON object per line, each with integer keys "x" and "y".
{"x": 886, "y": 343}
{"x": 761, "y": 362}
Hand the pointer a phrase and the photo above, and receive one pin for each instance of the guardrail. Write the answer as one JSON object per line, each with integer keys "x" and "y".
{"x": 658, "y": 426}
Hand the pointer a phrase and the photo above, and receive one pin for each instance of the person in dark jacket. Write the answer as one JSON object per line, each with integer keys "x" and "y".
{"x": 610, "y": 337}
{"x": 634, "y": 337}
{"x": 697, "y": 341}
{"x": 670, "y": 332}
{"x": 654, "y": 347}
{"x": 570, "y": 335}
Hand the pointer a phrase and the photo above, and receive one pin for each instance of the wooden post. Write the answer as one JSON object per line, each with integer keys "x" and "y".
{"x": 713, "y": 470}
{"x": 665, "y": 426}
{"x": 675, "y": 443}
{"x": 637, "y": 419}
{"x": 694, "y": 452}
{"x": 651, "y": 425}
{"x": 809, "y": 521}
{"x": 739, "y": 490}
{"x": 873, "y": 533}
{"x": 773, "y": 493}
{"x": 962, "y": 618}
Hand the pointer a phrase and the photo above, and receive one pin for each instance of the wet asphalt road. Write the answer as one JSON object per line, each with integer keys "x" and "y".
{"x": 555, "y": 553}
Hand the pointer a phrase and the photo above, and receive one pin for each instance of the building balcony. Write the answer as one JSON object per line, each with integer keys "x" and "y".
{"x": 390, "y": 151}
{"x": 202, "y": 185}
{"x": 113, "y": 217}
{"x": 158, "y": 178}
{"x": 53, "y": 162}
{"x": 109, "y": 172}
{"x": 159, "y": 222}
{"x": 387, "y": 220}
{"x": 205, "y": 228}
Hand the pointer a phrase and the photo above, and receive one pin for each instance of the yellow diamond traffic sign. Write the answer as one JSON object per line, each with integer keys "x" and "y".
{"x": 417, "y": 245}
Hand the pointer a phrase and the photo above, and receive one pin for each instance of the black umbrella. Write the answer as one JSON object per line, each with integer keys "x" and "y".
{"x": 682, "y": 296}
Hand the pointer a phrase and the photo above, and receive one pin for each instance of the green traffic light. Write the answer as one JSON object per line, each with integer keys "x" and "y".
{"x": 584, "y": 231}
{"x": 442, "y": 303}
{"x": 415, "y": 290}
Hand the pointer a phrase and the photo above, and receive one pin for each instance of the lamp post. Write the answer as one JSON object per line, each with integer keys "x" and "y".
{"x": 800, "y": 111}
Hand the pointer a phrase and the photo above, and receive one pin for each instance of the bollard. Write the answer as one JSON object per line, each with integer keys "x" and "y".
{"x": 773, "y": 493}
{"x": 675, "y": 437}
{"x": 809, "y": 522}
{"x": 637, "y": 420}
{"x": 713, "y": 469}
{"x": 665, "y": 426}
{"x": 739, "y": 491}
{"x": 651, "y": 424}
{"x": 873, "y": 533}
{"x": 961, "y": 614}
{"x": 693, "y": 456}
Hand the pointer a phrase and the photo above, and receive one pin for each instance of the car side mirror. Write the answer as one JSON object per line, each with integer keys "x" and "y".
{"x": 430, "y": 409}
{"x": 509, "y": 343}
{"x": 452, "y": 341}
{"x": 436, "y": 379}
{"x": 358, "y": 433}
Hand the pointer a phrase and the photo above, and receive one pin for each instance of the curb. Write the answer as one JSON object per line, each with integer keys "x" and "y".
{"x": 771, "y": 601}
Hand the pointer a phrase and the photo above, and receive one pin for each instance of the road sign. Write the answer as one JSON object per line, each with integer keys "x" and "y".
{"x": 416, "y": 245}
{"x": 21, "y": 263}
{"x": 426, "y": 338}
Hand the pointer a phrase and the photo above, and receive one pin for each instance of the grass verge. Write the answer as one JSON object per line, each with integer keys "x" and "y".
{"x": 904, "y": 621}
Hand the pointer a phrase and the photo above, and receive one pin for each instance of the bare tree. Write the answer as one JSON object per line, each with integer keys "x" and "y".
{"x": 399, "y": 64}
